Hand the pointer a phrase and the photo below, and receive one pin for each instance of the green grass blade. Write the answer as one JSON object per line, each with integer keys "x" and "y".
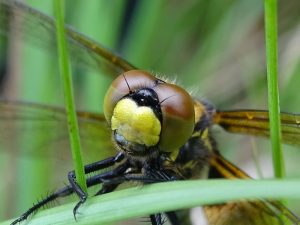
{"x": 68, "y": 92}
{"x": 86, "y": 18}
{"x": 142, "y": 201}
{"x": 273, "y": 95}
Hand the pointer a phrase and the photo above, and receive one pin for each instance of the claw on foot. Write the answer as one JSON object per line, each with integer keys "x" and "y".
{"x": 75, "y": 209}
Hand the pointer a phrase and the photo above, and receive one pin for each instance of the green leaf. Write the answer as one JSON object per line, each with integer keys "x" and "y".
{"x": 144, "y": 200}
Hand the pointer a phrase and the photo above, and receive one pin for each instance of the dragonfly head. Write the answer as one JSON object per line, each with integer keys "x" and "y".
{"x": 146, "y": 113}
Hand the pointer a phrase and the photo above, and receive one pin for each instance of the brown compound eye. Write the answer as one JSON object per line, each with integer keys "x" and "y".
{"x": 129, "y": 81}
{"x": 178, "y": 115}
{"x": 177, "y": 106}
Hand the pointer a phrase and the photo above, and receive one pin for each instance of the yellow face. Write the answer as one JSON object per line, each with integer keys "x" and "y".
{"x": 136, "y": 123}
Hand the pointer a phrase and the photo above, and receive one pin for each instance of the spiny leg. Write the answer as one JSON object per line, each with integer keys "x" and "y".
{"x": 63, "y": 192}
{"x": 68, "y": 190}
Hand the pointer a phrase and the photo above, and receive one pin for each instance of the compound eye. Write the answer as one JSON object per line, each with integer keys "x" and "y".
{"x": 125, "y": 83}
{"x": 178, "y": 115}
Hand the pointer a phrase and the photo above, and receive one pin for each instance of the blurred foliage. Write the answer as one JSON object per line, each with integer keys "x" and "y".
{"x": 214, "y": 48}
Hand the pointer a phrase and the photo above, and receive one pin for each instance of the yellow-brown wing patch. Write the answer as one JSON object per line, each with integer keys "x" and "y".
{"x": 255, "y": 122}
{"x": 257, "y": 212}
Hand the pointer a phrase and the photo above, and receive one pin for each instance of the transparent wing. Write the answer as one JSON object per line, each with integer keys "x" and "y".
{"x": 40, "y": 29}
{"x": 255, "y": 122}
{"x": 37, "y": 131}
{"x": 35, "y": 152}
{"x": 260, "y": 212}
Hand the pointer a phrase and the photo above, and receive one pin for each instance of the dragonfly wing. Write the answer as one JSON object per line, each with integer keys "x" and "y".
{"x": 238, "y": 213}
{"x": 256, "y": 123}
{"x": 38, "y": 130}
{"x": 258, "y": 212}
{"x": 39, "y": 28}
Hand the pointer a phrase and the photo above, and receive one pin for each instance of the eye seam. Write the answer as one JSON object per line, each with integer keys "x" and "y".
{"x": 130, "y": 91}
{"x": 138, "y": 86}
{"x": 141, "y": 86}
{"x": 165, "y": 99}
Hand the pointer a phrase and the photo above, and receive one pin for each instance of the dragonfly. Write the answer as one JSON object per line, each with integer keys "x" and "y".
{"x": 145, "y": 153}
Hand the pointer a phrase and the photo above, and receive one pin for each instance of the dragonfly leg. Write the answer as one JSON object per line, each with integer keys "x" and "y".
{"x": 88, "y": 169}
{"x": 105, "y": 179}
{"x": 117, "y": 180}
{"x": 63, "y": 192}
{"x": 157, "y": 219}
{"x": 114, "y": 178}
{"x": 69, "y": 189}
{"x": 103, "y": 163}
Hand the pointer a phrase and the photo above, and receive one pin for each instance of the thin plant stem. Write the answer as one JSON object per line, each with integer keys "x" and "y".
{"x": 68, "y": 93}
{"x": 273, "y": 93}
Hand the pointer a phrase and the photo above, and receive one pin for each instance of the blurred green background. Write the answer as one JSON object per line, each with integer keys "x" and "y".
{"x": 213, "y": 48}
